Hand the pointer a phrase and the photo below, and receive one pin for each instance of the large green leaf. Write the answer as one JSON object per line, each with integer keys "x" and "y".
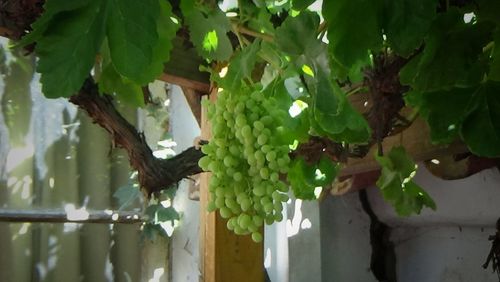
{"x": 304, "y": 177}
{"x": 67, "y": 49}
{"x": 301, "y": 4}
{"x": 495, "y": 60}
{"x": 125, "y": 89}
{"x": 443, "y": 110}
{"x": 335, "y": 115}
{"x": 297, "y": 35}
{"x": 167, "y": 26}
{"x": 52, "y": 8}
{"x": 407, "y": 22}
{"x": 208, "y": 31}
{"x": 481, "y": 126}
{"x": 241, "y": 67}
{"x": 397, "y": 185}
{"x": 446, "y": 61}
{"x": 132, "y": 35}
{"x": 354, "y": 28}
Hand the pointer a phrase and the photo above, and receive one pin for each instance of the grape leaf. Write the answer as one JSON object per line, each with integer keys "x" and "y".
{"x": 157, "y": 213}
{"x": 304, "y": 177}
{"x": 301, "y": 4}
{"x": 397, "y": 185}
{"x": 132, "y": 35}
{"x": 51, "y": 8}
{"x": 444, "y": 124}
{"x": 241, "y": 67}
{"x": 126, "y": 90}
{"x": 297, "y": 35}
{"x": 480, "y": 129}
{"x": 167, "y": 26}
{"x": 352, "y": 31}
{"x": 407, "y": 22}
{"x": 296, "y": 177}
{"x": 67, "y": 50}
{"x": 446, "y": 62}
{"x": 494, "y": 73}
{"x": 126, "y": 195}
{"x": 335, "y": 115}
{"x": 208, "y": 31}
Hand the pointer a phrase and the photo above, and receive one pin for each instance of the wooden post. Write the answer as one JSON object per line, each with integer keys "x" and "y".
{"x": 224, "y": 256}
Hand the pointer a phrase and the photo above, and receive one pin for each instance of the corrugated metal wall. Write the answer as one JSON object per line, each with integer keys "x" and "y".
{"x": 52, "y": 156}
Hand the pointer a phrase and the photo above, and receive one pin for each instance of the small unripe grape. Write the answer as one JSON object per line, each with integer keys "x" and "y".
{"x": 271, "y": 156}
{"x": 237, "y": 176}
{"x": 211, "y": 206}
{"x": 264, "y": 173}
{"x": 225, "y": 212}
{"x": 244, "y": 220}
{"x": 256, "y": 237}
{"x": 257, "y": 220}
{"x": 230, "y": 224}
{"x": 204, "y": 162}
{"x": 274, "y": 177}
{"x": 259, "y": 190}
{"x": 262, "y": 139}
{"x": 219, "y": 202}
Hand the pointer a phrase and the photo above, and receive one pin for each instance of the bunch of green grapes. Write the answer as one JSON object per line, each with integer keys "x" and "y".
{"x": 246, "y": 158}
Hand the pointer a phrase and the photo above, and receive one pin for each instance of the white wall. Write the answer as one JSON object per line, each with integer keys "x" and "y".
{"x": 185, "y": 240}
{"x": 449, "y": 244}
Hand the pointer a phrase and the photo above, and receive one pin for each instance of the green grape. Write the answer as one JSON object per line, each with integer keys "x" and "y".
{"x": 246, "y": 131}
{"x": 258, "y": 125}
{"x": 219, "y": 192}
{"x": 259, "y": 190}
{"x": 257, "y": 220}
{"x": 273, "y": 165}
{"x": 244, "y": 220}
{"x": 211, "y": 206}
{"x": 284, "y": 198}
{"x": 268, "y": 208}
{"x": 264, "y": 173}
{"x": 233, "y": 149}
{"x": 256, "y": 237}
{"x": 239, "y": 231}
{"x": 225, "y": 212}
{"x": 274, "y": 177}
{"x": 271, "y": 156}
{"x": 204, "y": 162}
{"x": 262, "y": 139}
{"x": 245, "y": 204}
{"x": 265, "y": 149}
{"x": 278, "y": 207}
{"x": 238, "y": 176}
{"x": 219, "y": 202}
{"x": 230, "y": 223}
{"x": 230, "y": 203}
{"x": 266, "y": 120}
{"x": 278, "y": 217}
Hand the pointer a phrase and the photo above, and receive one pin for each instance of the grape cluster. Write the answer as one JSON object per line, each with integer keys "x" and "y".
{"x": 246, "y": 158}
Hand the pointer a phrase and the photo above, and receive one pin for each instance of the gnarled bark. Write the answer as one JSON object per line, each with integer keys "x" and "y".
{"x": 154, "y": 174}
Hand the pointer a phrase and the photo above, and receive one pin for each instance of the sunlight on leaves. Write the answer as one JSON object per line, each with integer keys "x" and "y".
{"x": 210, "y": 41}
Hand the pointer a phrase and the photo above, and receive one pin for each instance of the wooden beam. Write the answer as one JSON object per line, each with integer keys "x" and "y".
{"x": 202, "y": 87}
{"x": 225, "y": 257}
{"x": 193, "y": 98}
